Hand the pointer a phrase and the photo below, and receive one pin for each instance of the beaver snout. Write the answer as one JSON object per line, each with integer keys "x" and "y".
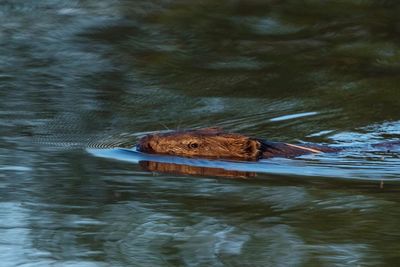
{"x": 144, "y": 144}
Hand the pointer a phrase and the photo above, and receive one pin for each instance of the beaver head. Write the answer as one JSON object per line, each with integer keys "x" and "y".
{"x": 208, "y": 143}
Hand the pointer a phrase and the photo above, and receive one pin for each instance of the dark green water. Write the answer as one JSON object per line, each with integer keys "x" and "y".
{"x": 75, "y": 72}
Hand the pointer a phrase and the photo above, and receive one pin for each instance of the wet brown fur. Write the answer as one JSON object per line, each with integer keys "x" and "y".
{"x": 209, "y": 143}
{"x": 215, "y": 143}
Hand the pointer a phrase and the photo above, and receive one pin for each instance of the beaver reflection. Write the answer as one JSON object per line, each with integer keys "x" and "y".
{"x": 174, "y": 168}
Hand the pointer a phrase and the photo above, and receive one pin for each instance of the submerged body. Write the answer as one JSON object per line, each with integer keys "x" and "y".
{"x": 215, "y": 143}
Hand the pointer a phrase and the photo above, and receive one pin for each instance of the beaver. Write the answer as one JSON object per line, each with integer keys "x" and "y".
{"x": 216, "y": 143}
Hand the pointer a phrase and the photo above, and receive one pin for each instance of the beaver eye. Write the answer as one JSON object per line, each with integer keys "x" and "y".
{"x": 193, "y": 145}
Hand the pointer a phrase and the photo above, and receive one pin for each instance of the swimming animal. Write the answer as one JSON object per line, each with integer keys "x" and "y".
{"x": 215, "y": 143}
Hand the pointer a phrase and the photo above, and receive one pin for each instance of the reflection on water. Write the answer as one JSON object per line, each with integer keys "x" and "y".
{"x": 103, "y": 73}
{"x": 163, "y": 167}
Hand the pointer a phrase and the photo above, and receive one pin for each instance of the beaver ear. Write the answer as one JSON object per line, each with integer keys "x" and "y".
{"x": 210, "y": 130}
{"x": 253, "y": 149}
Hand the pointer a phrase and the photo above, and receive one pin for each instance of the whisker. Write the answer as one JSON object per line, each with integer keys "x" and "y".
{"x": 165, "y": 126}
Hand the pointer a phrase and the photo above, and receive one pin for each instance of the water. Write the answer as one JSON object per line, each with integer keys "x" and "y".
{"x": 74, "y": 73}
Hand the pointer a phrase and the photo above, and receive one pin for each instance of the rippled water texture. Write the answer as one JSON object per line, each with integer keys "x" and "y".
{"x": 77, "y": 73}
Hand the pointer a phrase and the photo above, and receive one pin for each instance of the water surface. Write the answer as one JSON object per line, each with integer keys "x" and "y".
{"x": 74, "y": 73}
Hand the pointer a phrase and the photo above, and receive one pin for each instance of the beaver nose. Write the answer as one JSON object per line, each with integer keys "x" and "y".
{"x": 144, "y": 145}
